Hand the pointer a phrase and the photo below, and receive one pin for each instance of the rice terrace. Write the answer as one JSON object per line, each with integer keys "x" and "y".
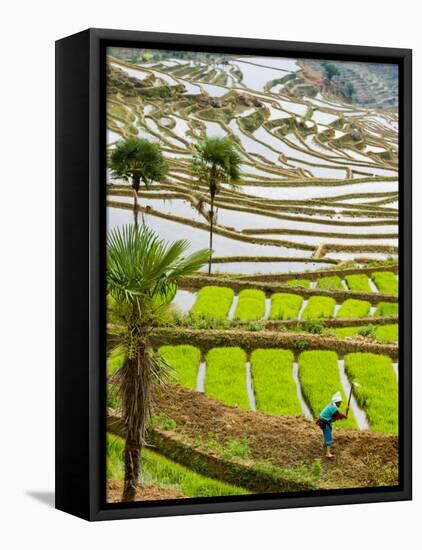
{"x": 252, "y": 218}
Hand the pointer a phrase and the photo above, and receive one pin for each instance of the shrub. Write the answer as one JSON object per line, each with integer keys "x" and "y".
{"x": 213, "y": 302}
{"x": 251, "y": 305}
{"x": 377, "y": 393}
{"x": 285, "y": 306}
{"x": 367, "y": 331}
{"x": 275, "y": 389}
{"x": 314, "y": 327}
{"x": 225, "y": 377}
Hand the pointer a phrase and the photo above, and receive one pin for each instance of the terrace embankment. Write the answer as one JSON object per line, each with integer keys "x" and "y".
{"x": 362, "y": 458}
{"x": 208, "y": 339}
{"x": 195, "y": 282}
{"x": 314, "y": 275}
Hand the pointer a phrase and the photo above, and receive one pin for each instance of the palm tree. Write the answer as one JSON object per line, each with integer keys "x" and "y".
{"x": 137, "y": 160}
{"x": 215, "y": 162}
{"x": 142, "y": 274}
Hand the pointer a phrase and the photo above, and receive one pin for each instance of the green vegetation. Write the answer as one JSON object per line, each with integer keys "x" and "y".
{"x": 216, "y": 161}
{"x": 233, "y": 447}
{"x": 137, "y": 160}
{"x": 330, "y": 283}
{"x": 344, "y": 332}
{"x": 377, "y": 393}
{"x": 320, "y": 379}
{"x": 330, "y": 69}
{"x": 313, "y": 327}
{"x": 383, "y": 333}
{"x": 386, "y": 308}
{"x": 251, "y": 305}
{"x": 275, "y": 389}
{"x": 358, "y": 283}
{"x": 159, "y": 470}
{"x": 319, "y": 307}
{"x": 300, "y": 473}
{"x": 142, "y": 276}
{"x": 303, "y": 283}
{"x": 285, "y": 306}
{"x": 115, "y": 360}
{"x": 387, "y": 333}
{"x": 251, "y": 122}
{"x": 163, "y": 422}
{"x": 213, "y": 302}
{"x": 225, "y": 377}
{"x": 352, "y": 308}
{"x": 386, "y": 282}
{"x": 185, "y": 361}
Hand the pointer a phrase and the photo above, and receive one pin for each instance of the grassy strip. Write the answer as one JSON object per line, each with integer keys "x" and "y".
{"x": 251, "y": 305}
{"x": 285, "y": 306}
{"x": 303, "y": 283}
{"x": 330, "y": 283}
{"x": 213, "y": 302}
{"x": 382, "y": 333}
{"x": 157, "y": 469}
{"x": 320, "y": 379}
{"x": 386, "y": 308}
{"x": 185, "y": 361}
{"x": 319, "y": 307}
{"x": 386, "y": 282}
{"x": 275, "y": 389}
{"x": 359, "y": 283}
{"x": 351, "y": 309}
{"x": 225, "y": 377}
{"x": 387, "y": 333}
{"x": 378, "y": 390}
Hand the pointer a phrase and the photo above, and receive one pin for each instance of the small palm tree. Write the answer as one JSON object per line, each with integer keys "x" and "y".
{"x": 137, "y": 160}
{"x": 215, "y": 162}
{"x": 142, "y": 274}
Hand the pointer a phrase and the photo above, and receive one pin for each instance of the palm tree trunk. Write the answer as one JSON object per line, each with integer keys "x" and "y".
{"x": 211, "y": 232}
{"x": 132, "y": 455}
{"x": 136, "y": 183}
{"x": 135, "y": 381}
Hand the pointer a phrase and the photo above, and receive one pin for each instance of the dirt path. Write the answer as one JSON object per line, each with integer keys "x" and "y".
{"x": 362, "y": 458}
{"x": 143, "y": 492}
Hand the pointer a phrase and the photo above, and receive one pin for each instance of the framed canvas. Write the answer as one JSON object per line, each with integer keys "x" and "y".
{"x": 233, "y": 274}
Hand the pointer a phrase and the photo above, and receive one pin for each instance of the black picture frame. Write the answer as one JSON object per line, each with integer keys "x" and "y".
{"x": 80, "y": 272}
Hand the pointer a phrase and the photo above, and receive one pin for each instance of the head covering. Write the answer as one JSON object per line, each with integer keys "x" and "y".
{"x": 337, "y": 397}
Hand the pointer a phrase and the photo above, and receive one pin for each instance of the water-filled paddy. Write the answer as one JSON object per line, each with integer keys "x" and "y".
{"x": 199, "y": 238}
{"x": 293, "y": 157}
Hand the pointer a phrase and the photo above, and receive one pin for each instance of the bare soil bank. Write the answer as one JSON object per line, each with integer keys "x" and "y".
{"x": 362, "y": 458}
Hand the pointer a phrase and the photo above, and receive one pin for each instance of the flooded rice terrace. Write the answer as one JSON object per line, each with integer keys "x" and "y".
{"x": 319, "y": 178}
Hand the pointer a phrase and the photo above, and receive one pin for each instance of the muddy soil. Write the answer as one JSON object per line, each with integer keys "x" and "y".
{"x": 362, "y": 458}
{"x": 144, "y": 492}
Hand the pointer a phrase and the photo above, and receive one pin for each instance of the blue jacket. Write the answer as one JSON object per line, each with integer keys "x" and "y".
{"x": 329, "y": 413}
